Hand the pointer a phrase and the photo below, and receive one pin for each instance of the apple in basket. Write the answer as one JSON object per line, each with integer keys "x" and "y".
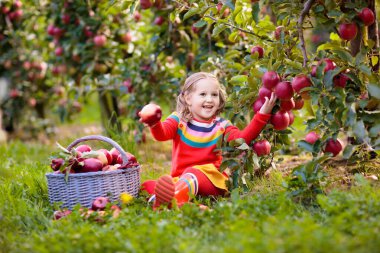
{"x": 83, "y": 148}
{"x": 91, "y": 165}
{"x": 107, "y": 155}
{"x": 99, "y": 203}
{"x": 57, "y": 163}
{"x": 110, "y": 167}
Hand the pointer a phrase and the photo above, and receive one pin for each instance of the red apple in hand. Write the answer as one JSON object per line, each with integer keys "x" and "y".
{"x": 257, "y": 105}
{"x": 261, "y": 148}
{"x": 333, "y": 146}
{"x": 99, "y": 203}
{"x": 366, "y": 15}
{"x": 311, "y": 137}
{"x": 150, "y": 114}
{"x": 347, "y": 31}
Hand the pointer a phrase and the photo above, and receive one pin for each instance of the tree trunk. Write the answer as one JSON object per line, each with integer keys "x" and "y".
{"x": 373, "y": 34}
{"x": 109, "y": 112}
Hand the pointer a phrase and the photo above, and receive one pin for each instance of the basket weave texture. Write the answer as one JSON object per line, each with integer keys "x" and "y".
{"x": 83, "y": 188}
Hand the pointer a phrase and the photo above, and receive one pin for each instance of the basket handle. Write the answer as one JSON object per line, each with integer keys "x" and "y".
{"x": 101, "y": 138}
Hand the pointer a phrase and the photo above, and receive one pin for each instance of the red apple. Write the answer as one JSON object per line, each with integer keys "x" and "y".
{"x": 259, "y": 50}
{"x": 257, "y": 105}
{"x": 299, "y": 82}
{"x": 280, "y": 120}
{"x": 100, "y": 40}
{"x": 284, "y": 90}
{"x": 50, "y": 30}
{"x": 57, "y": 163}
{"x": 91, "y": 165}
{"x": 262, "y": 148}
{"x": 99, "y": 203}
{"x": 66, "y": 19}
{"x": 340, "y": 80}
{"x": 110, "y": 167}
{"x": 330, "y": 65}
{"x": 17, "y": 4}
{"x": 150, "y": 114}
{"x": 347, "y": 31}
{"x": 126, "y": 38}
{"x": 291, "y": 117}
{"x": 83, "y": 148}
{"x": 114, "y": 153}
{"x": 137, "y": 16}
{"x": 103, "y": 158}
{"x": 287, "y": 105}
{"x": 264, "y": 92}
{"x": 367, "y": 16}
{"x": 298, "y": 103}
{"x": 159, "y": 20}
{"x": 132, "y": 161}
{"x": 87, "y": 32}
{"x": 107, "y": 155}
{"x": 128, "y": 85}
{"x": 145, "y": 4}
{"x": 58, "y": 51}
{"x": 311, "y": 137}
{"x": 333, "y": 146}
{"x": 60, "y": 214}
{"x": 270, "y": 79}
{"x": 277, "y": 32}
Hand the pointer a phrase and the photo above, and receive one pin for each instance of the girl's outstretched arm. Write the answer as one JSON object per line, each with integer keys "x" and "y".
{"x": 256, "y": 125}
{"x": 166, "y": 130}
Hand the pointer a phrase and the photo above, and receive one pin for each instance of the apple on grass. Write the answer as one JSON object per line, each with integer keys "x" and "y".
{"x": 150, "y": 114}
{"x": 99, "y": 203}
{"x": 60, "y": 214}
{"x": 262, "y": 147}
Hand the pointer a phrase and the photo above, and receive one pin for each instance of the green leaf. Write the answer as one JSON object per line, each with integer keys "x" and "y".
{"x": 344, "y": 55}
{"x": 218, "y": 29}
{"x": 200, "y": 23}
{"x": 243, "y": 146}
{"x": 305, "y": 145}
{"x": 348, "y": 151}
{"x": 359, "y": 130}
{"x": 374, "y": 60}
{"x": 374, "y": 90}
{"x": 191, "y": 13}
{"x": 239, "y": 79}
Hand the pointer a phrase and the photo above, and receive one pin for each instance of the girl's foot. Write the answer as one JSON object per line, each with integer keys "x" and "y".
{"x": 164, "y": 191}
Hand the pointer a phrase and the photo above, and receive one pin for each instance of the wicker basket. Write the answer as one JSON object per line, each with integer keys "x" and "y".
{"x": 83, "y": 188}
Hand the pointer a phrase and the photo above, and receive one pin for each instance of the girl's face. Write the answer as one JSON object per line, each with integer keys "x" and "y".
{"x": 204, "y": 100}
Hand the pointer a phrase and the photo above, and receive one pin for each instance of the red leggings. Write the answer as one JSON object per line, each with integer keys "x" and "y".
{"x": 205, "y": 187}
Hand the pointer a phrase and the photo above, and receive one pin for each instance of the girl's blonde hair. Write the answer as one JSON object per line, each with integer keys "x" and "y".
{"x": 189, "y": 86}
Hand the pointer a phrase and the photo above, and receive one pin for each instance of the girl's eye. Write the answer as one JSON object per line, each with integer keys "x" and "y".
{"x": 215, "y": 94}
{"x": 203, "y": 94}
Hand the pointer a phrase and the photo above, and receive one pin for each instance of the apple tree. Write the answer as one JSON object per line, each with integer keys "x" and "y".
{"x": 337, "y": 80}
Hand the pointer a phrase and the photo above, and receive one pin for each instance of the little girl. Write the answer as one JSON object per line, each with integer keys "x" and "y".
{"x": 195, "y": 128}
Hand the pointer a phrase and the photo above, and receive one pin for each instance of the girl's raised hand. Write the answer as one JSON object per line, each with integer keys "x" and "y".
{"x": 268, "y": 104}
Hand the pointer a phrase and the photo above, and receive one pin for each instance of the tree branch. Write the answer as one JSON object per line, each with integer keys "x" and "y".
{"x": 304, "y": 12}
{"x": 238, "y": 28}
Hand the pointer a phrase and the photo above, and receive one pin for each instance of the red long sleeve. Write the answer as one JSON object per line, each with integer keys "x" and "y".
{"x": 165, "y": 130}
{"x": 251, "y": 131}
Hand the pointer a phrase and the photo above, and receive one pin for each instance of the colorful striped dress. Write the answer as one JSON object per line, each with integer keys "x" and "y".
{"x": 194, "y": 142}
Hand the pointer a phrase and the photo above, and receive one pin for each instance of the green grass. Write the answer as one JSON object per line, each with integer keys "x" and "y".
{"x": 264, "y": 220}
